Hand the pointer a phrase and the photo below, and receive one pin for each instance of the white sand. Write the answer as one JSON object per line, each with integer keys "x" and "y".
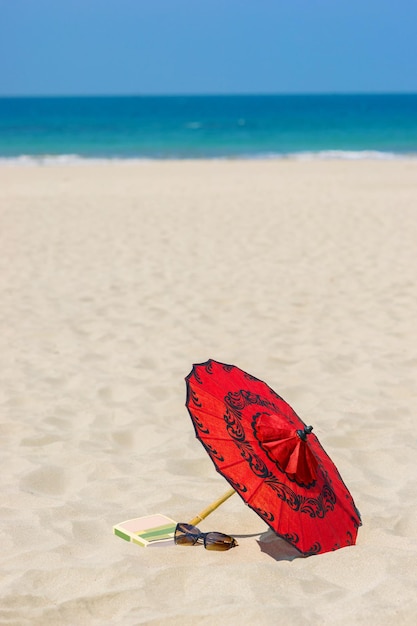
{"x": 114, "y": 280}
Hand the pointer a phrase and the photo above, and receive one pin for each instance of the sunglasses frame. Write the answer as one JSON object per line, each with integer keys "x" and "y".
{"x": 214, "y": 541}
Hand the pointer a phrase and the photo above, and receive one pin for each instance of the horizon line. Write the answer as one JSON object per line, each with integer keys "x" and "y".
{"x": 211, "y": 94}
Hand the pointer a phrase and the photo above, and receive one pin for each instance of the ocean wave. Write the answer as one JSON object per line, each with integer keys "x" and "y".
{"x": 322, "y": 155}
{"x": 65, "y": 159}
{"x": 352, "y": 155}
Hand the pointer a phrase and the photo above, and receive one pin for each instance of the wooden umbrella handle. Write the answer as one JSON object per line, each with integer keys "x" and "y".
{"x": 212, "y": 507}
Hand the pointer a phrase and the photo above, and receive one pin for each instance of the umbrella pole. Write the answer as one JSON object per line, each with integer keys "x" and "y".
{"x": 212, "y": 507}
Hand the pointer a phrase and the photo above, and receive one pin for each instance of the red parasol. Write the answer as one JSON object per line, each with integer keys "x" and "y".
{"x": 271, "y": 458}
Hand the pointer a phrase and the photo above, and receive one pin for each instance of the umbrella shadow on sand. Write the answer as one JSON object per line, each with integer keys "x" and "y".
{"x": 277, "y": 548}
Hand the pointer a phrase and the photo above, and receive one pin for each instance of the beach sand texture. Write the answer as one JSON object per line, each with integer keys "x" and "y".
{"x": 115, "y": 279}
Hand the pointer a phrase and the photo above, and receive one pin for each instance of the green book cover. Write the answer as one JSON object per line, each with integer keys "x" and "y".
{"x": 148, "y": 530}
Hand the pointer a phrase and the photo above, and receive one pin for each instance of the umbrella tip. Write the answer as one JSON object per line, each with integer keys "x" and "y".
{"x": 303, "y": 433}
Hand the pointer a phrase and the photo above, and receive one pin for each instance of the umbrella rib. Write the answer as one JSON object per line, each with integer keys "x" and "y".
{"x": 199, "y": 410}
{"x": 220, "y": 388}
{"x": 233, "y": 464}
{"x": 229, "y": 439}
{"x": 253, "y": 494}
{"x": 205, "y": 392}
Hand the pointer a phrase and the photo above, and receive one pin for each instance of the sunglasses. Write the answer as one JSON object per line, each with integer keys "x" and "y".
{"x": 188, "y": 535}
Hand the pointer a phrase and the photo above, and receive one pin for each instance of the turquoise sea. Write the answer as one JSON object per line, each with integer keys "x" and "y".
{"x": 126, "y": 127}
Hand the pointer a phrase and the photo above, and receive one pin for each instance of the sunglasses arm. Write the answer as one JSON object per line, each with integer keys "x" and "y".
{"x": 212, "y": 507}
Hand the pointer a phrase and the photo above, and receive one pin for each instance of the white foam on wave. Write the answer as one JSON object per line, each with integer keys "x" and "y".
{"x": 65, "y": 159}
{"x": 351, "y": 155}
{"x": 75, "y": 159}
{"x": 194, "y": 125}
{"x": 332, "y": 155}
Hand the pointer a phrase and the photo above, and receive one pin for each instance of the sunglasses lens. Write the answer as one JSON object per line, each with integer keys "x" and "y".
{"x": 186, "y": 535}
{"x": 219, "y": 542}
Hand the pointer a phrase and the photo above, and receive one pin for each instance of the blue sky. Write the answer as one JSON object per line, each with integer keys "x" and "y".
{"x": 207, "y": 46}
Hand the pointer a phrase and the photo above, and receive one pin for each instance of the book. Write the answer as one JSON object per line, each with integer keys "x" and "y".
{"x": 147, "y": 531}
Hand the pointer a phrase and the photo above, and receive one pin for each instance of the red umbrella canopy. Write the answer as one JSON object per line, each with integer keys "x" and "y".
{"x": 271, "y": 458}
